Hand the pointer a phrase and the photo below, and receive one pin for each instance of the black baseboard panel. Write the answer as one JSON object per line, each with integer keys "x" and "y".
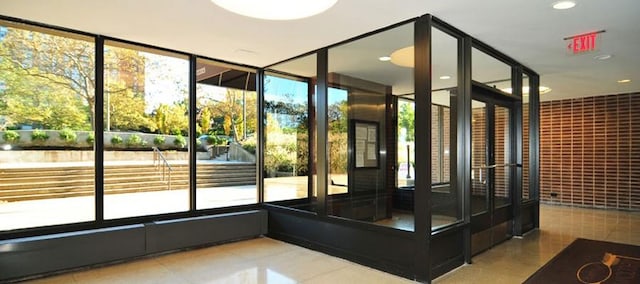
{"x": 385, "y": 249}
{"x": 42, "y": 255}
{"x": 447, "y": 251}
{"x": 190, "y": 232}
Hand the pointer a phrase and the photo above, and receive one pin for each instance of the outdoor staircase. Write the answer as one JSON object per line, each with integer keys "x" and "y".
{"x": 18, "y": 184}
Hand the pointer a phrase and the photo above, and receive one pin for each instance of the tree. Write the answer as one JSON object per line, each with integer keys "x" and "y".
{"x": 33, "y": 61}
{"x": 337, "y": 113}
{"x": 406, "y": 120}
{"x": 172, "y": 119}
{"x": 126, "y": 110}
{"x": 231, "y": 110}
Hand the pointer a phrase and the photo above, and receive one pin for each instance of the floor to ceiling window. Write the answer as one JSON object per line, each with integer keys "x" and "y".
{"x": 46, "y": 127}
{"x": 145, "y": 131}
{"x": 226, "y": 118}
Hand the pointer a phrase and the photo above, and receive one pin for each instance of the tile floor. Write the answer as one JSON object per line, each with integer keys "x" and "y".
{"x": 266, "y": 260}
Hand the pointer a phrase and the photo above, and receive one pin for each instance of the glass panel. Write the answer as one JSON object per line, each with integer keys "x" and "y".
{"x": 406, "y": 145}
{"x": 286, "y": 163}
{"x": 364, "y": 149}
{"x": 288, "y": 88}
{"x": 46, "y": 127}
{"x": 502, "y": 156}
{"x": 446, "y": 198}
{"x": 490, "y": 71}
{"x": 338, "y": 144}
{"x": 226, "y": 102}
{"x": 479, "y": 201}
{"x": 145, "y": 131}
{"x": 525, "y": 141}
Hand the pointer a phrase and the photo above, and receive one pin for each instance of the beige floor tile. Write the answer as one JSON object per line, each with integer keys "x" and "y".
{"x": 265, "y": 260}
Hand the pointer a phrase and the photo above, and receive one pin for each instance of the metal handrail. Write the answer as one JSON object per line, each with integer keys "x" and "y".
{"x": 166, "y": 168}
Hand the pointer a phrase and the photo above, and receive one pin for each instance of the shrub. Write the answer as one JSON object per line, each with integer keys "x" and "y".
{"x": 212, "y": 139}
{"x": 158, "y": 140}
{"x": 249, "y": 145}
{"x": 11, "y": 136}
{"x": 180, "y": 141}
{"x": 90, "y": 138}
{"x": 39, "y": 136}
{"x": 134, "y": 140}
{"x": 68, "y": 136}
{"x": 116, "y": 140}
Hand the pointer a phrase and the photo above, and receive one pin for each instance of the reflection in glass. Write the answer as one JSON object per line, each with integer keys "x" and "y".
{"x": 226, "y": 104}
{"x": 360, "y": 93}
{"x": 286, "y": 163}
{"x": 502, "y": 156}
{"x": 338, "y": 123}
{"x": 446, "y": 197}
{"x": 47, "y": 82}
{"x": 289, "y": 114}
{"x": 146, "y": 127}
{"x": 479, "y": 171}
{"x": 490, "y": 71}
{"x": 525, "y": 141}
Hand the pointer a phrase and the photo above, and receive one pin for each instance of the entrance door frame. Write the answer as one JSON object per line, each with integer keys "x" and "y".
{"x": 497, "y": 223}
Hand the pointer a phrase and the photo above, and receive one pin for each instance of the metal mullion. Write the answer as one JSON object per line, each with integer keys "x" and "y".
{"x": 98, "y": 127}
{"x": 322, "y": 131}
{"x": 260, "y": 77}
{"x": 422, "y": 191}
{"x": 464, "y": 137}
{"x": 192, "y": 133}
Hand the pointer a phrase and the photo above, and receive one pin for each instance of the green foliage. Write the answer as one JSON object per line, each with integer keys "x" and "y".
{"x": 337, "y": 115}
{"x": 158, "y": 140}
{"x": 126, "y": 109}
{"x": 134, "y": 140}
{"x": 180, "y": 141}
{"x": 91, "y": 138}
{"x": 11, "y": 136}
{"x": 49, "y": 80}
{"x": 406, "y": 120}
{"x": 249, "y": 145}
{"x": 68, "y": 136}
{"x": 171, "y": 119}
{"x": 39, "y": 136}
{"x": 116, "y": 140}
{"x": 338, "y": 153}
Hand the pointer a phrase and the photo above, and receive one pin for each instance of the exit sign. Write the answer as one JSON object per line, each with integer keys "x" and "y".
{"x": 583, "y": 42}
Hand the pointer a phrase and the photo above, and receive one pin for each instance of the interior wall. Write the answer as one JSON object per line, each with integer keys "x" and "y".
{"x": 590, "y": 151}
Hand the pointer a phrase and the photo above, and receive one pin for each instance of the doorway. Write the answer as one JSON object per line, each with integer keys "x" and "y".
{"x": 492, "y": 167}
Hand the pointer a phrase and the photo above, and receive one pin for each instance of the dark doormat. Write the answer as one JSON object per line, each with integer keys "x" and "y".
{"x": 589, "y": 261}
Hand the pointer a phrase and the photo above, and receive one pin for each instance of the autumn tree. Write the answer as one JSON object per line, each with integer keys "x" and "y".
{"x": 37, "y": 67}
{"x": 172, "y": 119}
{"x": 230, "y": 109}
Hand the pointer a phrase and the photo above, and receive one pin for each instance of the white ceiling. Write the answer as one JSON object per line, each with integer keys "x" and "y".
{"x": 530, "y": 31}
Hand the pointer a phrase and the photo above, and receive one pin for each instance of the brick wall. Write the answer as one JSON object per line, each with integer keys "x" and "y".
{"x": 590, "y": 151}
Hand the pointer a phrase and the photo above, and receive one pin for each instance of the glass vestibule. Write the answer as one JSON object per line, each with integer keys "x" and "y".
{"x": 392, "y": 121}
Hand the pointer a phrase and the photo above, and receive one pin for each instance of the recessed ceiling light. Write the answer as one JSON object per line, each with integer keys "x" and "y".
{"x": 384, "y": 58}
{"x": 602, "y": 56}
{"x": 276, "y": 9}
{"x": 624, "y": 81}
{"x": 561, "y": 5}
{"x": 445, "y": 77}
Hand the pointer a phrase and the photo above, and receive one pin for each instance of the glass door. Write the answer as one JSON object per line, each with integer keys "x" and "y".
{"x": 491, "y": 168}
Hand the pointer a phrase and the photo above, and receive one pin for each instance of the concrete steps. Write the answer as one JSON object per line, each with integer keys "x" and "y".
{"x": 67, "y": 181}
